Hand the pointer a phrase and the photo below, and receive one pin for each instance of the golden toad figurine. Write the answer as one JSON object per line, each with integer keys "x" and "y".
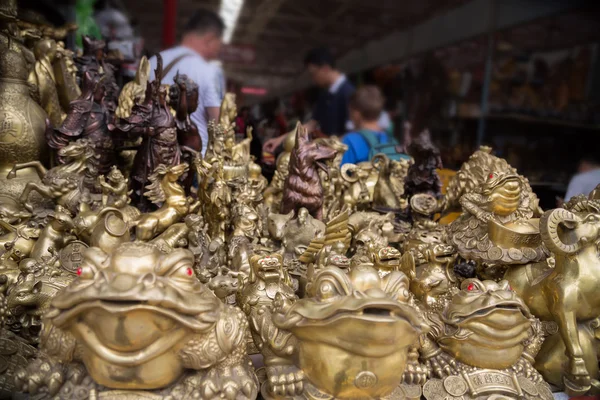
{"x": 497, "y": 226}
{"x": 483, "y": 344}
{"x": 140, "y": 320}
{"x": 308, "y": 357}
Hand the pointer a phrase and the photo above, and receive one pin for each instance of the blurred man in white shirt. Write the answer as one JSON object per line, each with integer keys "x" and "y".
{"x": 587, "y": 179}
{"x": 201, "y": 42}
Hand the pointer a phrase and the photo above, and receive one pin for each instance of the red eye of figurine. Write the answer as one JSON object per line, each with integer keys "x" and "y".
{"x": 79, "y": 271}
{"x": 491, "y": 176}
{"x": 189, "y": 271}
{"x": 470, "y": 287}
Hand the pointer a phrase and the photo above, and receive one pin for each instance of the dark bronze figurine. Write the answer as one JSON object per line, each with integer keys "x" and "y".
{"x": 88, "y": 119}
{"x": 422, "y": 176}
{"x": 303, "y": 187}
{"x": 153, "y": 121}
{"x": 183, "y": 98}
{"x": 95, "y": 61}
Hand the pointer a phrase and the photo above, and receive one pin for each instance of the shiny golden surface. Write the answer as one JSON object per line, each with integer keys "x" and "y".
{"x": 486, "y": 313}
{"x": 354, "y": 291}
{"x": 142, "y": 320}
{"x": 24, "y": 121}
{"x": 339, "y": 315}
{"x": 134, "y": 91}
{"x": 564, "y": 296}
{"x": 498, "y": 225}
{"x": 483, "y": 342}
{"x": 63, "y": 183}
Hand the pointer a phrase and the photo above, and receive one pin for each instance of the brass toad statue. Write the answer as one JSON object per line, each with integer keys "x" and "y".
{"x": 140, "y": 320}
{"x": 497, "y": 226}
{"x": 348, "y": 338}
{"x": 484, "y": 343}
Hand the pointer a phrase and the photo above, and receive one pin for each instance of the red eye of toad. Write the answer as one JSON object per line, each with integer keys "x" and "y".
{"x": 470, "y": 287}
{"x": 189, "y": 271}
{"x": 79, "y": 271}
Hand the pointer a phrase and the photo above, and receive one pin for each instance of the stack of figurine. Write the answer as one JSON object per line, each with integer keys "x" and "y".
{"x": 133, "y": 267}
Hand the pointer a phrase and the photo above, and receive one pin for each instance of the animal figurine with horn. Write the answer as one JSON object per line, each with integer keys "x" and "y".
{"x": 565, "y": 297}
{"x": 303, "y": 187}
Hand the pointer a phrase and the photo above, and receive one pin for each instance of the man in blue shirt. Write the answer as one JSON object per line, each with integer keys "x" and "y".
{"x": 365, "y": 109}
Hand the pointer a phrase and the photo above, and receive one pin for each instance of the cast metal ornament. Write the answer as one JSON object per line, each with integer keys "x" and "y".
{"x": 482, "y": 344}
{"x": 134, "y": 91}
{"x": 359, "y": 305}
{"x": 564, "y": 296}
{"x": 24, "y": 122}
{"x": 139, "y": 320}
{"x": 303, "y": 187}
{"x": 62, "y": 184}
{"x": 498, "y": 225}
{"x": 164, "y": 188}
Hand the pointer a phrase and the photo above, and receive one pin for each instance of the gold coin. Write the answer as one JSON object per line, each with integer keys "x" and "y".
{"x": 515, "y": 254}
{"x": 473, "y": 223}
{"x": 71, "y": 256}
{"x": 411, "y": 391}
{"x": 529, "y": 253}
{"x": 455, "y": 386}
{"x": 484, "y": 245}
{"x": 365, "y": 380}
{"x": 495, "y": 253}
{"x": 528, "y": 386}
{"x": 8, "y": 347}
{"x": 434, "y": 390}
{"x": 397, "y": 394}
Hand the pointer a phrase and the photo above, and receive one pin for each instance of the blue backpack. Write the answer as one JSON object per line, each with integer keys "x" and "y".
{"x": 389, "y": 148}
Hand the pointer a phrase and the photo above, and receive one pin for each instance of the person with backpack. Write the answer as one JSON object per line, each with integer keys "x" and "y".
{"x": 368, "y": 137}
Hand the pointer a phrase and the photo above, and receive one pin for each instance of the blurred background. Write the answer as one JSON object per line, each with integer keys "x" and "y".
{"x": 521, "y": 76}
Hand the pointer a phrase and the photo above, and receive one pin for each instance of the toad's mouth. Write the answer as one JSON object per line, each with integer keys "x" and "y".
{"x": 486, "y": 311}
{"x": 124, "y": 358}
{"x": 123, "y": 307}
{"x": 371, "y": 313}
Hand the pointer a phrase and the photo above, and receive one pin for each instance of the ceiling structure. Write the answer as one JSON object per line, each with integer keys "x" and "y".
{"x": 281, "y": 31}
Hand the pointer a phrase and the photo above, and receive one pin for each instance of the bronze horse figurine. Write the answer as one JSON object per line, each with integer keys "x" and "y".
{"x": 303, "y": 188}
{"x": 62, "y": 184}
{"x": 166, "y": 189}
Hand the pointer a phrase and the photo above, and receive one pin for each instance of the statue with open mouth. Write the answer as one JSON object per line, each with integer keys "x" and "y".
{"x": 483, "y": 344}
{"x": 139, "y": 322}
{"x": 350, "y": 337}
